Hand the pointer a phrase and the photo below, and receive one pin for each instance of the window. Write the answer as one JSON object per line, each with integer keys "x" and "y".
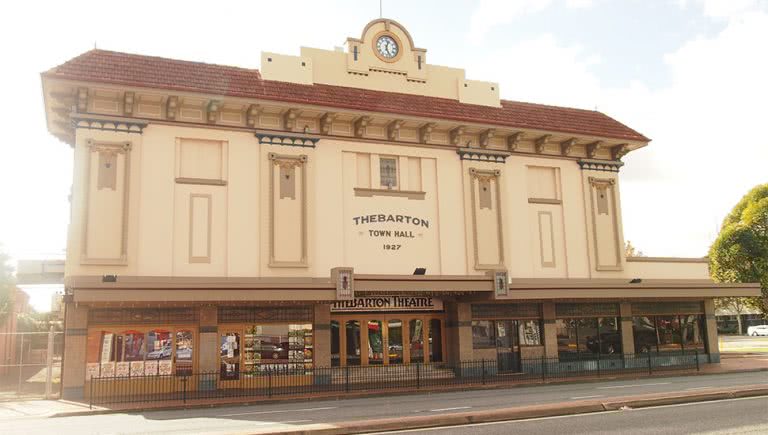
{"x": 588, "y": 337}
{"x": 483, "y": 334}
{"x": 530, "y": 332}
{"x": 136, "y": 353}
{"x": 669, "y": 333}
{"x": 388, "y": 170}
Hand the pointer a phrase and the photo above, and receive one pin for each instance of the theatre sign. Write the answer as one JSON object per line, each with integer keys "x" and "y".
{"x": 388, "y": 303}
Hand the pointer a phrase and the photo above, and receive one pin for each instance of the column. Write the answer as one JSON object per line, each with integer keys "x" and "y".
{"x": 459, "y": 332}
{"x": 208, "y": 352}
{"x": 322, "y": 335}
{"x": 713, "y": 347}
{"x": 550, "y": 330}
{"x": 75, "y": 338}
{"x": 627, "y": 331}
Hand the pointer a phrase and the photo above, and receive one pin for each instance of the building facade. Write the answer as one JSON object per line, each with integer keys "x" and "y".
{"x": 355, "y": 206}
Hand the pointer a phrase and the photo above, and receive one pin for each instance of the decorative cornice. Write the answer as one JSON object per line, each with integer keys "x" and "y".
{"x": 483, "y": 155}
{"x": 600, "y": 165}
{"x": 294, "y": 141}
{"x": 108, "y": 124}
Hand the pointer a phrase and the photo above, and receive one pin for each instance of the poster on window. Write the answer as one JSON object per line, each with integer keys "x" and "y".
{"x": 137, "y": 369}
{"x": 123, "y": 369}
{"x": 150, "y": 368}
{"x": 93, "y": 370}
{"x": 108, "y": 370}
{"x": 165, "y": 367}
{"x": 106, "y": 347}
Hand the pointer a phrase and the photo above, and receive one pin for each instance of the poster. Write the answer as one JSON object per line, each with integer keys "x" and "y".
{"x": 165, "y": 367}
{"x": 106, "y": 347}
{"x": 137, "y": 368}
{"x": 108, "y": 370}
{"x": 122, "y": 369}
{"x": 93, "y": 370}
{"x": 150, "y": 368}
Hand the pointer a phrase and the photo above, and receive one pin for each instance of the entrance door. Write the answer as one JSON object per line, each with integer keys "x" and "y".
{"x": 386, "y": 339}
{"x": 507, "y": 346}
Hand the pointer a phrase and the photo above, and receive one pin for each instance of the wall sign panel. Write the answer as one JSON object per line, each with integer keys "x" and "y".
{"x": 487, "y": 234}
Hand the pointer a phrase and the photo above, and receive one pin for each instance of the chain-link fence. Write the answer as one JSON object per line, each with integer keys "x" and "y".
{"x": 30, "y": 365}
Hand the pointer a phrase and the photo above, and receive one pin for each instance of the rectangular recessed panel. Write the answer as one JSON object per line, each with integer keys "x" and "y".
{"x": 546, "y": 239}
{"x": 542, "y": 182}
{"x": 200, "y": 228}
{"x": 363, "y": 170}
{"x": 201, "y": 159}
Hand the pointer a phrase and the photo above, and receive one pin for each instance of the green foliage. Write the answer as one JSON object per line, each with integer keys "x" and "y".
{"x": 740, "y": 252}
{"x": 7, "y": 286}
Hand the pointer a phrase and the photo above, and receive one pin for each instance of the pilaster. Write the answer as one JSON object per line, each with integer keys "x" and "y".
{"x": 322, "y": 335}
{"x": 713, "y": 347}
{"x": 627, "y": 332}
{"x": 75, "y": 338}
{"x": 550, "y": 330}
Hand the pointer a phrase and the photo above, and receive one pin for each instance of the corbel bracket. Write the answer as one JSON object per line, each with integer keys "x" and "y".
{"x": 619, "y": 151}
{"x": 541, "y": 143}
{"x": 593, "y": 148}
{"x": 566, "y": 146}
{"x": 425, "y": 132}
{"x": 326, "y": 122}
{"x": 456, "y": 134}
{"x": 393, "y": 129}
{"x": 513, "y": 140}
{"x": 486, "y": 136}
{"x": 360, "y": 125}
{"x": 289, "y": 119}
{"x": 252, "y": 115}
{"x": 171, "y": 107}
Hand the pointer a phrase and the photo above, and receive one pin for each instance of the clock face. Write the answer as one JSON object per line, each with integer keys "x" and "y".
{"x": 387, "y": 47}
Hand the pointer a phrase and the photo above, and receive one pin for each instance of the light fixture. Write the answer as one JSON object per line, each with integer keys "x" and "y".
{"x": 109, "y": 278}
{"x": 636, "y": 281}
{"x": 420, "y": 271}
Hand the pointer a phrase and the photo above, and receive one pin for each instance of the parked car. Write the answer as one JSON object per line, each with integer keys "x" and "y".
{"x": 757, "y": 330}
{"x": 610, "y": 342}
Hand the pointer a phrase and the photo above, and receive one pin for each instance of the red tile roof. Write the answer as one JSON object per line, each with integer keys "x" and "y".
{"x": 154, "y": 72}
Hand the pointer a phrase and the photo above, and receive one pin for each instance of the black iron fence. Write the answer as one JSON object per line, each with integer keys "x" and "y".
{"x": 300, "y": 381}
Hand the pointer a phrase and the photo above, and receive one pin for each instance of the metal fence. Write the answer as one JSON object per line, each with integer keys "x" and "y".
{"x": 30, "y": 364}
{"x": 338, "y": 381}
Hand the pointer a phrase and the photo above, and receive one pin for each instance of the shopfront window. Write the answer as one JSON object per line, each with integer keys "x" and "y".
{"x": 530, "y": 332}
{"x": 283, "y": 348}
{"x": 588, "y": 337}
{"x": 136, "y": 353}
{"x": 230, "y": 356}
{"x": 416, "y": 334}
{"x": 483, "y": 334}
{"x": 335, "y": 344}
{"x": 669, "y": 333}
{"x": 184, "y": 348}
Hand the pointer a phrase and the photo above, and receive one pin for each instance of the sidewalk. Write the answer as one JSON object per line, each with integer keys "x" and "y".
{"x": 730, "y": 363}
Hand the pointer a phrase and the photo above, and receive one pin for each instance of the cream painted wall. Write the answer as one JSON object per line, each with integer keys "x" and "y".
{"x": 240, "y": 219}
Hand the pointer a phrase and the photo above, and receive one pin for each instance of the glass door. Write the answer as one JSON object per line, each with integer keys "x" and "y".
{"x": 353, "y": 342}
{"x": 375, "y": 342}
{"x": 507, "y": 346}
{"x": 416, "y": 336}
{"x": 395, "y": 341}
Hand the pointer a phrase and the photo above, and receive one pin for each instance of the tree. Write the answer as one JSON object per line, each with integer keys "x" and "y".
{"x": 7, "y": 286}
{"x": 631, "y": 251}
{"x": 740, "y": 252}
{"x": 736, "y": 305}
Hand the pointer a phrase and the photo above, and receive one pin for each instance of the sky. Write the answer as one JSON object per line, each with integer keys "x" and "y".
{"x": 689, "y": 74}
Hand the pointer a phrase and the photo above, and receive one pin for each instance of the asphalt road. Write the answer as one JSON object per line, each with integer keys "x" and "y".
{"x": 241, "y": 419}
{"x": 735, "y": 416}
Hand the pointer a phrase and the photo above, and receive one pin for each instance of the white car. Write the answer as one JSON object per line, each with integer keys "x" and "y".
{"x": 757, "y": 330}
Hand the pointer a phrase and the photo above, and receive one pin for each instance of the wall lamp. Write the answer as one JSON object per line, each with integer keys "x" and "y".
{"x": 420, "y": 271}
{"x": 636, "y": 281}
{"x": 109, "y": 278}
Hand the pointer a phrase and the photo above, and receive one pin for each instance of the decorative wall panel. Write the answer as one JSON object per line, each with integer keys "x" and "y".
{"x": 487, "y": 234}
{"x": 288, "y": 210}
{"x": 605, "y": 226}
{"x": 105, "y": 223}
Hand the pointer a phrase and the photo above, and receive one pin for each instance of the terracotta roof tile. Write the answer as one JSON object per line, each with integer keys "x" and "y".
{"x": 154, "y": 72}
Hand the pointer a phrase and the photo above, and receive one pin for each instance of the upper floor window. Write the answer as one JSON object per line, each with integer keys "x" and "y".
{"x": 388, "y": 170}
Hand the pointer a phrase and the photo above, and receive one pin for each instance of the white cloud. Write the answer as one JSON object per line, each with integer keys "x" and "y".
{"x": 579, "y": 4}
{"x": 491, "y": 13}
{"x": 729, "y": 8}
{"x": 705, "y": 154}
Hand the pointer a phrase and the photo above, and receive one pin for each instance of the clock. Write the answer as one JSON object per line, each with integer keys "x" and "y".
{"x": 387, "y": 48}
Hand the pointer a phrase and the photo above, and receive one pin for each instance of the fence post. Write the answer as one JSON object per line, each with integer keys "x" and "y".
{"x": 49, "y": 365}
{"x": 21, "y": 363}
{"x": 483, "y": 370}
{"x": 543, "y": 369}
{"x": 696, "y": 355}
{"x": 90, "y": 395}
{"x": 269, "y": 387}
{"x": 184, "y": 389}
{"x": 346, "y": 378}
{"x": 650, "y": 366}
{"x": 418, "y": 376}
{"x": 598, "y": 360}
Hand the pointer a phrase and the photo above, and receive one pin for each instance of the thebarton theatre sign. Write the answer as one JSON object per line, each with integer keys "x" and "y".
{"x": 389, "y": 303}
